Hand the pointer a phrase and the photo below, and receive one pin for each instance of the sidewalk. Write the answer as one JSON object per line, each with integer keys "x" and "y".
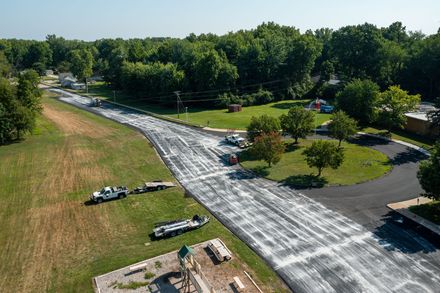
{"x": 223, "y": 130}
{"x": 402, "y": 209}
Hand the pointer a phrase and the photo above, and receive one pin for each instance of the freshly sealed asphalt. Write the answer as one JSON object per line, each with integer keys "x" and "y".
{"x": 319, "y": 240}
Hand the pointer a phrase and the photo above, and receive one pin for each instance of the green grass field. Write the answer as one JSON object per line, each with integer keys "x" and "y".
{"x": 360, "y": 164}
{"x": 212, "y": 118}
{"x": 51, "y": 240}
{"x": 429, "y": 211}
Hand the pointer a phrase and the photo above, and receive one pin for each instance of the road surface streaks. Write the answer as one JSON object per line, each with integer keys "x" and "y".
{"x": 312, "y": 247}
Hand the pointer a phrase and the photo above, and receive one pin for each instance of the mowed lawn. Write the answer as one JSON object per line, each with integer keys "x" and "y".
{"x": 212, "y": 118}
{"x": 360, "y": 164}
{"x": 52, "y": 241}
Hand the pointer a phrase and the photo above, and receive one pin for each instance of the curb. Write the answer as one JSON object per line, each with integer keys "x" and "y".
{"x": 410, "y": 145}
{"x": 405, "y": 212}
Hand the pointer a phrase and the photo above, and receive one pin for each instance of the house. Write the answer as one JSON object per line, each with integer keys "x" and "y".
{"x": 67, "y": 81}
{"x": 64, "y": 75}
{"x": 417, "y": 122}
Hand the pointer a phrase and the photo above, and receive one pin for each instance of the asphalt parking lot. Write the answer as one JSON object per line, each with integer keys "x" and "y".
{"x": 313, "y": 246}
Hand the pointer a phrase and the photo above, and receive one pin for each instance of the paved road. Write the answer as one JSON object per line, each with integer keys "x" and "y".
{"x": 312, "y": 247}
{"x": 366, "y": 202}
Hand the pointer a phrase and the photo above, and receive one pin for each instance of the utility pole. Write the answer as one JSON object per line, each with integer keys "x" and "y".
{"x": 177, "y": 102}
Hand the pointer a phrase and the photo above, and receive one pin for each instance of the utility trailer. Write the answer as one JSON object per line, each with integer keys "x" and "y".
{"x": 109, "y": 192}
{"x": 177, "y": 227}
{"x": 152, "y": 186}
{"x": 95, "y": 102}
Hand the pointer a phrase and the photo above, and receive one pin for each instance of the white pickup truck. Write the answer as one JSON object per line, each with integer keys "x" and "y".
{"x": 109, "y": 192}
{"x": 235, "y": 139}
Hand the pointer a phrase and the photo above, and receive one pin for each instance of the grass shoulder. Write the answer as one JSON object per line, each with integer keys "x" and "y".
{"x": 402, "y": 135}
{"x": 360, "y": 164}
{"x": 218, "y": 118}
{"x": 429, "y": 211}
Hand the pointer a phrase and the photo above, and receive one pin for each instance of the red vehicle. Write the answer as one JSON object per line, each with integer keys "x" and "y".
{"x": 233, "y": 159}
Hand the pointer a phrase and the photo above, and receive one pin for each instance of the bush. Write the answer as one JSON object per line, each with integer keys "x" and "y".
{"x": 262, "y": 97}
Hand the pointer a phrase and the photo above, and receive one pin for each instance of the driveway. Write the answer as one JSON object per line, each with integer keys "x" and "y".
{"x": 313, "y": 248}
{"x": 366, "y": 202}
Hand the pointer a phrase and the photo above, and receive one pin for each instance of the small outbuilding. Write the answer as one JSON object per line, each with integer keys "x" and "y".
{"x": 234, "y": 108}
{"x": 417, "y": 122}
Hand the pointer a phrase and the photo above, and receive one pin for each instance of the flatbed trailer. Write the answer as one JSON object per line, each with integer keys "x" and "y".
{"x": 153, "y": 186}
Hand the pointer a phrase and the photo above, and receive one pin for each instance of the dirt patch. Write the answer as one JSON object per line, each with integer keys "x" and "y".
{"x": 167, "y": 276}
{"x": 61, "y": 233}
{"x": 71, "y": 123}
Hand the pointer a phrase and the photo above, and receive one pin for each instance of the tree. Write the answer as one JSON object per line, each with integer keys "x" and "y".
{"x": 359, "y": 100}
{"x": 357, "y": 49}
{"x": 434, "y": 115}
{"x": 264, "y": 124}
{"x": 23, "y": 119}
{"x": 5, "y": 67}
{"x": 28, "y": 93}
{"x": 322, "y": 154}
{"x": 393, "y": 104}
{"x": 298, "y": 122}
{"x": 429, "y": 174}
{"x": 268, "y": 147}
{"x": 342, "y": 126}
{"x": 39, "y": 54}
{"x": 81, "y": 63}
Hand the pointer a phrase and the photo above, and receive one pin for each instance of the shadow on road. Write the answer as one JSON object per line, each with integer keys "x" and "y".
{"x": 305, "y": 181}
{"x": 408, "y": 156}
{"x": 368, "y": 141}
{"x": 400, "y": 234}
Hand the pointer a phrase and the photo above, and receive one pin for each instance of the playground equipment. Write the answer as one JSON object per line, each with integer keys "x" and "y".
{"x": 192, "y": 273}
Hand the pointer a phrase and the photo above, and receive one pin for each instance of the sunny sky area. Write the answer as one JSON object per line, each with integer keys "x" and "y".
{"x": 94, "y": 19}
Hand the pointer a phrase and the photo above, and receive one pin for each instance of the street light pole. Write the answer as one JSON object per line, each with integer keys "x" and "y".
{"x": 186, "y": 112}
{"x": 177, "y": 102}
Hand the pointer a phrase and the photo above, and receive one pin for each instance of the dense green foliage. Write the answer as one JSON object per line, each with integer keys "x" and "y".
{"x": 268, "y": 147}
{"x": 214, "y": 71}
{"x": 429, "y": 174}
{"x": 322, "y": 154}
{"x": 359, "y": 99}
{"x": 434, "y": 115}
{"x": 342, "y": 126}
{"x": 394, "y": 103}
{"x": 19, "y": 105}
{"x": 263, "y": 124}
{"x": 298, "y": 122}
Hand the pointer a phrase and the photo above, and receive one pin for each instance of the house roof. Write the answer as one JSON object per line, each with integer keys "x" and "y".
{"x": 422, "y": 111}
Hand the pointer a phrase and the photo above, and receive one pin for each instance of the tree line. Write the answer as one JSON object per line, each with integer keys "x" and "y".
{"x": 273, "y": 60}
{"x": 19, "y": 102}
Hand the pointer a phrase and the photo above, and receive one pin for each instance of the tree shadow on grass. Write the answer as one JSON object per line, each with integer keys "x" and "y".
{"x": 291, "y": 147}
{"x": 261, "y": 171}
{"x": 305, "y": 181}
{"x": 289, "y": 105}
